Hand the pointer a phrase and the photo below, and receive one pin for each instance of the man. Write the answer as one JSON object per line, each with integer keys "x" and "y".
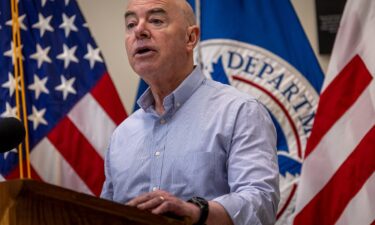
{"x": 193, "y": 138}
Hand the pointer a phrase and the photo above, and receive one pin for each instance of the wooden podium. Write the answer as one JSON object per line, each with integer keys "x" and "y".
{"x": 26, "y": 202}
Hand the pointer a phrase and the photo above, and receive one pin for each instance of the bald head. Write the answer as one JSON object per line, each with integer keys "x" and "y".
{"x": 187, "y": 11}
{"x": 181, "y": 5}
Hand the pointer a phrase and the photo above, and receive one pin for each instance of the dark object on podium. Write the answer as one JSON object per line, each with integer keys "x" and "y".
{"x": 29, "y": 202}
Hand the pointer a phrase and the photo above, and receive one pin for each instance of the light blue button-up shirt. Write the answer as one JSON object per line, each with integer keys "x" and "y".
{"x": 212, "y": 141}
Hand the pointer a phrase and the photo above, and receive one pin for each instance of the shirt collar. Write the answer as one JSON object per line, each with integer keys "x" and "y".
{"x": 178, "y": 97}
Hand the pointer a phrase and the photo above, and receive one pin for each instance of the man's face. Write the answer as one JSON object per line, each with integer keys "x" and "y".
{"x": 156, "y": 36}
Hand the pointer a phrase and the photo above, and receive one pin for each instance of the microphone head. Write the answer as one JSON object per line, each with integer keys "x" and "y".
{"x": 12, "y": 133}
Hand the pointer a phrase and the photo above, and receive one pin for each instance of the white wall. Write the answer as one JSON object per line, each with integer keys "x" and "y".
{"x": 306, "y": 12}
{"x": 106, "y": 21}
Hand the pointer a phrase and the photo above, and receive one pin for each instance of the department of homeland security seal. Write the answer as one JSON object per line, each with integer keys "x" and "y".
{"x": 286, "y": 93}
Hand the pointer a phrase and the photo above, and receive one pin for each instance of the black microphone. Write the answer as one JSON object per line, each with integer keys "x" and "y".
{"x": 12, "y": 133}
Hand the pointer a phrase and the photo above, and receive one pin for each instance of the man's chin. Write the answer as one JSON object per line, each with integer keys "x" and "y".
{"x": 144, "y": 70}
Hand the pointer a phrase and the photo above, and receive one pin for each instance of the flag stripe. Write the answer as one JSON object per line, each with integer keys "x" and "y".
{"x": 1, "y": 178}
{"x": 79, "y": 153}
{"x": 340, "y": 95}
{"x": 84, "y": 122}
{"x": 358, "y": 118}
{"x": 105, "y": 93}
{"x": 361, "y": 208}
{"x": 55, "y": 170}
{"x": 360, "y": 165}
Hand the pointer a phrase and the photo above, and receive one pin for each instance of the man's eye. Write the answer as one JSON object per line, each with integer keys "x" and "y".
{"x": 156, "y": 21}
{"x": 130, "y": 26}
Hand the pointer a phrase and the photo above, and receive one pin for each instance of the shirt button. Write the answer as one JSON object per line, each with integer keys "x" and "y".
{"x": 178, "y": 104}
{"x": 163, "y": 121}
{"x": 154, "y": 188}
{"x": 157, "y": 153}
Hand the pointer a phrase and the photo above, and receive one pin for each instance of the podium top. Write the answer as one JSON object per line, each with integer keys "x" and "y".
{"x": 37, "y": 197}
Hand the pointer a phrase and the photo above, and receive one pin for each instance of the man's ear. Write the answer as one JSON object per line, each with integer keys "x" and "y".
{"x": 192, "y": 39}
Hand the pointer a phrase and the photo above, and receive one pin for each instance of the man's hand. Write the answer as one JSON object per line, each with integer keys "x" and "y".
{"x": 160, "y": 202}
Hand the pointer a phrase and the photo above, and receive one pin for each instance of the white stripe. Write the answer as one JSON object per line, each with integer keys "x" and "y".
{"x": 93, "y": 122}
{"x": 361, "y": 209}
{"x": 1, "y": 178}
{"x": 52, "y": 167}
{"x": 368, "y": 48}
{"x": 334, "y": 148}
{"x": 354, "y": 37}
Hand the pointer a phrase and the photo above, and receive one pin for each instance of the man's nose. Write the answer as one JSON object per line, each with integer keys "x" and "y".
{"x": 141, "y": 31}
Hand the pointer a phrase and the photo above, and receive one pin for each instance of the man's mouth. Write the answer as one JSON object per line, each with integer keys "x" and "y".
{"x": 143, "y": 51}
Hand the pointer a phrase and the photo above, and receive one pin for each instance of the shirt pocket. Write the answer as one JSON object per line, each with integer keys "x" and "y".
{"x": 193, "y": 170}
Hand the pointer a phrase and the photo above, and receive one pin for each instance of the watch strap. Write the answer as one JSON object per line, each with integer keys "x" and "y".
{"x": 203, "y": 206}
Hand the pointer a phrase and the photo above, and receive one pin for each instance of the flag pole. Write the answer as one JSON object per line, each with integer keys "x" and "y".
{"x": 20, "y": 63}
{"x": 16, "y": 77}
{"x": 19, "y": 74}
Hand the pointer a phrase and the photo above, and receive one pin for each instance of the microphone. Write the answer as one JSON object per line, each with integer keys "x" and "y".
{"x": 12, "y": 133}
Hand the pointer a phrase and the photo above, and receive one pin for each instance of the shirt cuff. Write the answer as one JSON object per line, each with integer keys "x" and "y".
{"x": 233, "y": 204}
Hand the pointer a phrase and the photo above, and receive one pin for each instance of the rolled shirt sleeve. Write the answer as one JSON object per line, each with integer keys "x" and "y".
{"x": 252, "y": 168}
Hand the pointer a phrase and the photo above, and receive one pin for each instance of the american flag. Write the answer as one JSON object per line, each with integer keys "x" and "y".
{"x": 72, "y": 104}
{"x": 337, "y": 184}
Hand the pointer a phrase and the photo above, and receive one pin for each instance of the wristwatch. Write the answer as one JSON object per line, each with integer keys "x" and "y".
{"x": 203, "y": 206}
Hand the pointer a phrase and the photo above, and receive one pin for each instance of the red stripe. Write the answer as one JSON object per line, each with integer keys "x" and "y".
{"x": 373, "y": 222}
{"x": 339, "y": 96}
{"x": 282, "y": 107}
{"x": 79, "y": 153}
{"x": 105, "y": 93}
{"x": 326, "y": 207}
